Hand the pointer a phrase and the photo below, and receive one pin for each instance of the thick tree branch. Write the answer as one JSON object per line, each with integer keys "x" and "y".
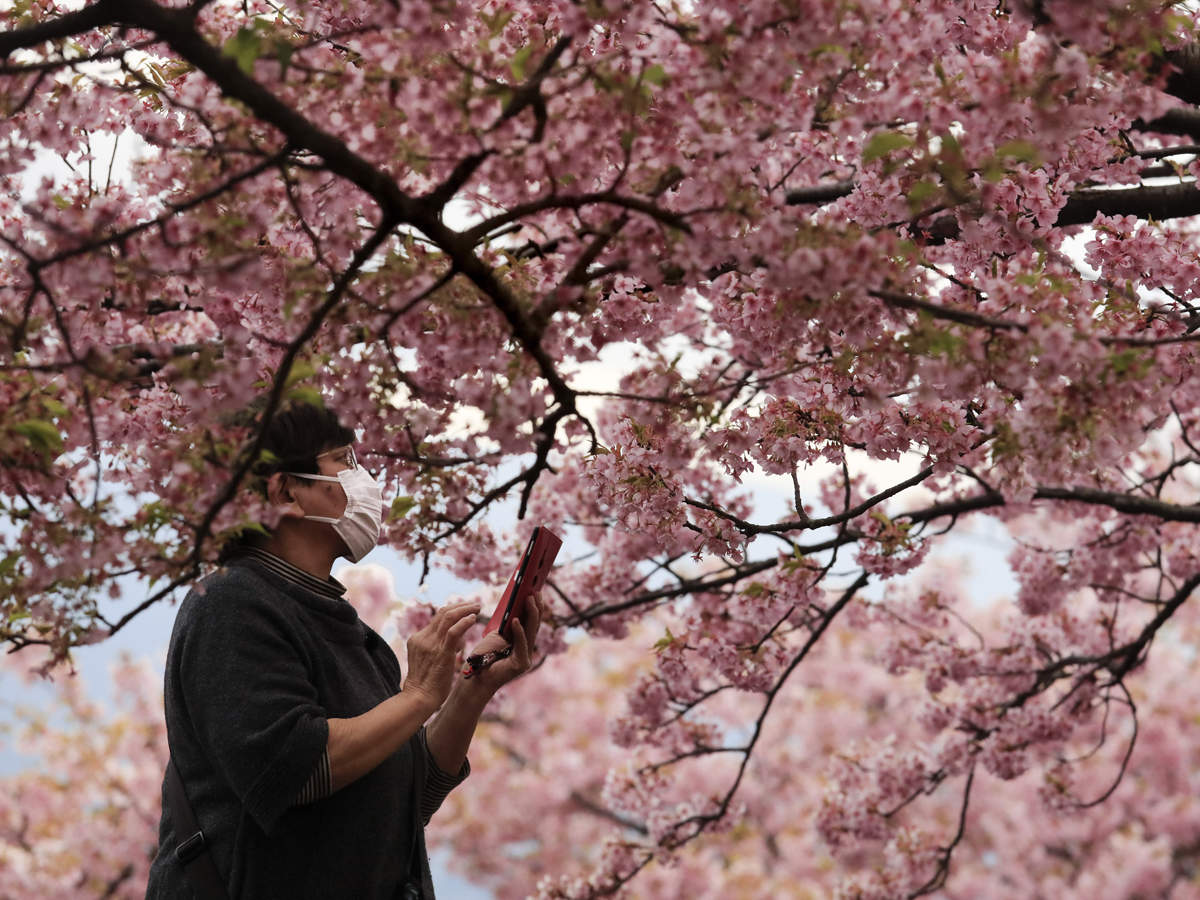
{"x": 177, "y": 28}
{"x": 97, "y": 15}
{"x": 1169, "y": 201}
{"x": 821, "y": 193}
{"x": 1182, "y": 120}
{"x": 976, "y": 320}
{"x": 577, "y": 201}
{"x": 749, "y": 528}
{"x": 529, "y": 94}
{"x": 1160, "y": 201}
{"x": 1184, "y": 81}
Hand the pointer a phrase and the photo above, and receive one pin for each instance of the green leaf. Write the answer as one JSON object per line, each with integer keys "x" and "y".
{"x": 283, "y": 55}
{"x": 797, "y": 562}
{"x": 883, "y": 143}
{"x": 155, "y": 74}
{"x": 664, "y": 642}
{"x": 54, "y": 407}
{"x": 306, "y": 395}
{"x": 920, "y": 194}
{"x": 1022, "y": 151}
{"x": 301, "y": 369}
{"x": 8, "y": 565}
{"x": 950, "y": 146}
{"x": 517, "y": 64}
{"x": 993, "y": 172}
{"x": 41, "y": 434}
{"x": 401, "y": 507}
{"x": 1129, "y": 361}
{"x": 244, "y": 47}
{"x": 655, "y": 75}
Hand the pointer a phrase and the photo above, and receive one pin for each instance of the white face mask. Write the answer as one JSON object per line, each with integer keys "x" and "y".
{"x": 360, "y": 523}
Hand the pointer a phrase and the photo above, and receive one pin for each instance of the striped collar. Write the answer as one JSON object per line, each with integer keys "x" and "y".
{"x": 331, "y": 588}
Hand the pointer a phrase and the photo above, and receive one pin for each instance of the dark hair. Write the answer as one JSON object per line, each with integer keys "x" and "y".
{"x": 295, "y": 437}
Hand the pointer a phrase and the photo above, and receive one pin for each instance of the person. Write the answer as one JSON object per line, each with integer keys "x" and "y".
{"x": 308, "y": 768}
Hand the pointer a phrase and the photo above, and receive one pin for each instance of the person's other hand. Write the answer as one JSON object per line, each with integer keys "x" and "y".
{"x": 524, "y": 632}
{"x": 433, "y": 651}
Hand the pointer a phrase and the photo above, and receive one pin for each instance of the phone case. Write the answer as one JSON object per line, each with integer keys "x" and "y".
{"x": 526, "y": 580}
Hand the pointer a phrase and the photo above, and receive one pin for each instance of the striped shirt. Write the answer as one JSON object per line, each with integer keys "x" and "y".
{"x": 329, "y": 587}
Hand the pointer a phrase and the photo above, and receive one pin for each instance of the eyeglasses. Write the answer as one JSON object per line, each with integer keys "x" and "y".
{"x": 344, "y": 455}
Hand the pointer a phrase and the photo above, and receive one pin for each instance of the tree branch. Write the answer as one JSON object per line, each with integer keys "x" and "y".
{"x": 97, "y": 15}
{"x": 1169, "y": 201}
{"x": 1182, "y": 120}
{"x": 1125, "y": 503}
{"x": 1184, "y": 81}
{"x": 177, "y": 29}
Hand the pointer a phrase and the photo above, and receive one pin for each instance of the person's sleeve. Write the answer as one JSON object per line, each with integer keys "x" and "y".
{"x": 251, "y": 700}
{"x": 437, "y": 783}
{"x": 319, "y": 784}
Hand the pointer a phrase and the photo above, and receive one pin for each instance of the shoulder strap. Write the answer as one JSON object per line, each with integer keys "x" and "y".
{"x": 191, "y": 851}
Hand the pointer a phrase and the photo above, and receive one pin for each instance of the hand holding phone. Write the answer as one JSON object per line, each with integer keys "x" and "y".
{"x": 526, "y": 580}
{"x": 525, "y": 583}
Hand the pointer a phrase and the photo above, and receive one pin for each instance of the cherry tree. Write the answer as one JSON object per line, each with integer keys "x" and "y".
{"x": 907, "y": 265}
{"x": 83, "y": 821}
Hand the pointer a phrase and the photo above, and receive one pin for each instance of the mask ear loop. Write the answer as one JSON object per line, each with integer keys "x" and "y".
{"x": 326, "y": 519}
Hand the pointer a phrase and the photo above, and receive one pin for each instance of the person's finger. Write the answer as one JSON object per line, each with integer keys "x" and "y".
{"x": 446, "y": 617}
{"x": 520, "y": 646}
{"x": 456, "y": 633}
{"x": 533, "y": 618}
{"x": 453, "y": 610}
{"x": 490, "y": 642}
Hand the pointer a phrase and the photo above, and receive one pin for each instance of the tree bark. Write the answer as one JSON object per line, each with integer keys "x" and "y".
{"x": 1168, "y": 201}
{"x": 1184, "y": 82}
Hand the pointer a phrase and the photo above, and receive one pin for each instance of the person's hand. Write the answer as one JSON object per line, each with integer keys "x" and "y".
{"x": 433, "y": 650}
{"x": 524, "y": 632}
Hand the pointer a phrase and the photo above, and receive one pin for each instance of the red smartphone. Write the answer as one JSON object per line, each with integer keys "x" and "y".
{"x": 526, "y": 580}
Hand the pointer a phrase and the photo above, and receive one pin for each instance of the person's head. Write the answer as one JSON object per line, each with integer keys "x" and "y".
{"x": 305, "y": 439}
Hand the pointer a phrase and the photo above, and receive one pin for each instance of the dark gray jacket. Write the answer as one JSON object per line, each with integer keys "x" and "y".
{"x": 256, "y": 667}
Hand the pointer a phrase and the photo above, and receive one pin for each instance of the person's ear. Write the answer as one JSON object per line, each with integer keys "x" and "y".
{"x": 279, "y": 493}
